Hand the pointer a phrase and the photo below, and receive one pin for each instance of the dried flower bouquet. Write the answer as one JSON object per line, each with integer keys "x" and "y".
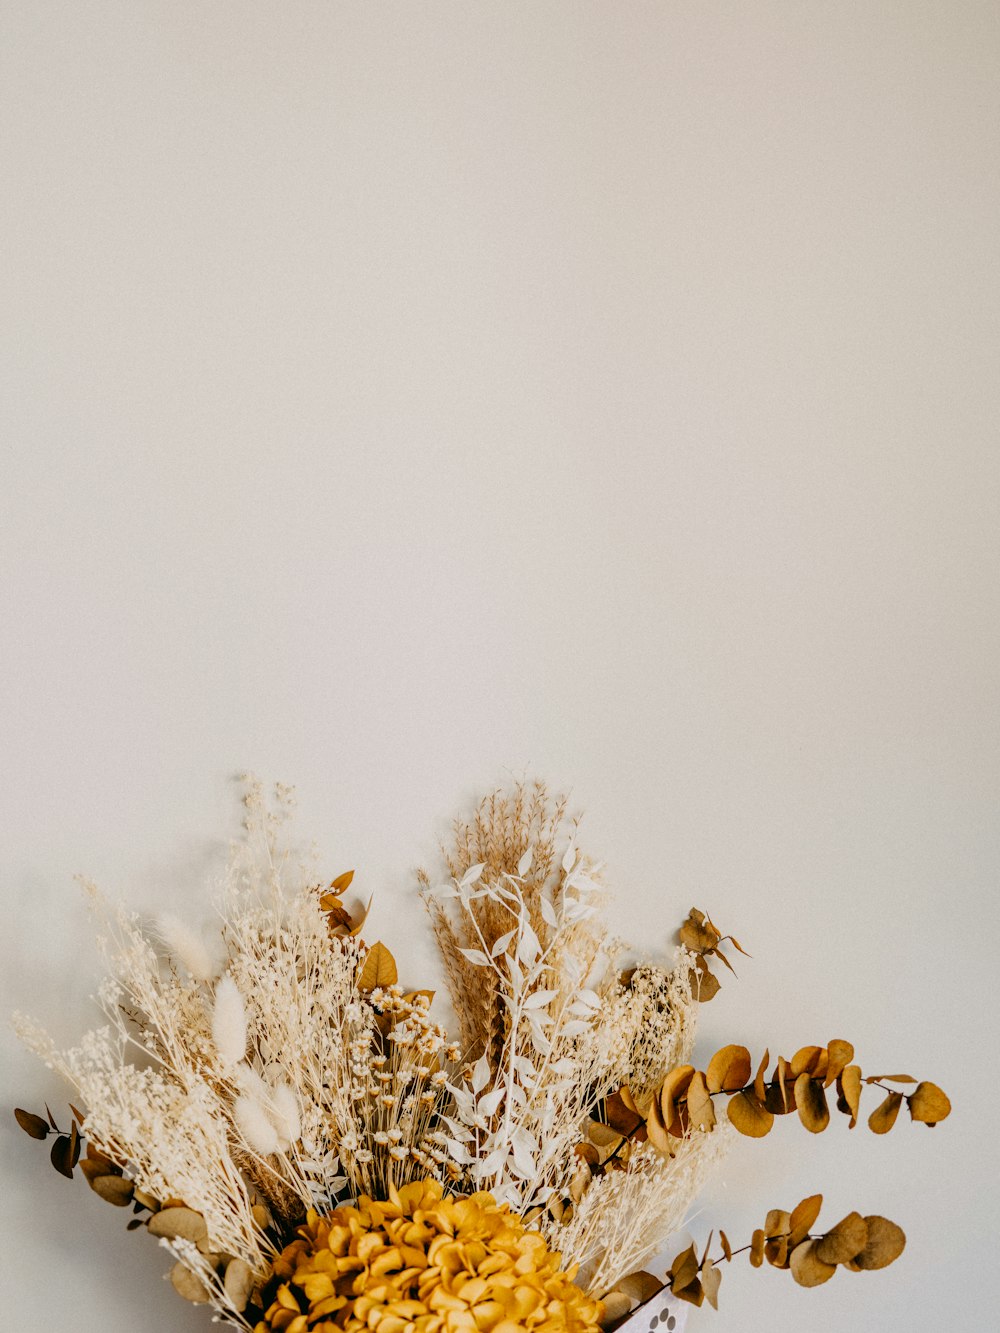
{"x": 319, "y": 1154}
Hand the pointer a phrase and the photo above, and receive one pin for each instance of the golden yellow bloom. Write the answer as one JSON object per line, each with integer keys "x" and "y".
{"x": 422, "y": 1263}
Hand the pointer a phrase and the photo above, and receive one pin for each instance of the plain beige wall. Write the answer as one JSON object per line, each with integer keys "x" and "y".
{"x": 397, "y": 396}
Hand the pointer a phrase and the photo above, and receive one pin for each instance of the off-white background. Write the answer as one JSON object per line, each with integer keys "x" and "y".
{"x": 401, "y": 396}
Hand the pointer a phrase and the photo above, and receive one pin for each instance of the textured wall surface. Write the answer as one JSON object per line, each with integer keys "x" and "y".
{"x": 399, "y": 397}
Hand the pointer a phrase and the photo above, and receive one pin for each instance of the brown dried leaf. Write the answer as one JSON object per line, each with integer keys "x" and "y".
{"x": 657, "y": 1129}
{"x": 757, "y": 1241}
{"x": 890, "y": 1078}
{"x": 727, "y": 1249}
{"x": 683, "y": 1270}
{"x": 61, "y": 1156}
{"x": 728, "y": 1069}
{"x": 883, "y": 1117}
{"x": 621, "y": 1116}
{"x": 238, "y": 1283}
{"x": 808, "y": 1269}
{"x": 342, "y": 883}
{"x": 710, "y": 1281}
{"x": 113, "y": 1189}
{"x": 615, "y": 1306}
{"x": 776, "y": 1252}
{"x": 589, "y": 1153}
{"x": 804, "y": 1214}
{"x": 32, "y": 1124}
{"x": 701, "y": 1112}
{"x": 811, "y": 1102}
{"x": 886, "y": 1243}
{"x": 359, "y": 924}
{"x": 379, "y": 969}
{"x": 693, "y": 1293}
{"x": 178, "y": 1224}
{"x": 840, "y": 1054}
{"x": 759, "y": 1086}
{"x": 188, "y": 1284}
{"x": 704, "y": 983}
{"x": 672, "y": 1089}
{"x": 849, "y": 1085}
{"x": 749, "y": 1116}
{"x": 928, "y": 1104}
{"x": 844, "y": 1241}
{"x": 640, "y": 1287}
{"x": 810, "y": 1060}
{"x": 777, "y": 1223}
{"x": 697, "y": 933}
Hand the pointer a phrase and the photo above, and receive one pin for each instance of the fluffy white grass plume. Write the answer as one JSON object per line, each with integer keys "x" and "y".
{"x": 229, "y": 1023}
{"x": 190, "y": 947}
{"x": 256, "y": 1125}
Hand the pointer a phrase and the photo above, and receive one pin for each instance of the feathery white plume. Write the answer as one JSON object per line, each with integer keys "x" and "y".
{"x": 188, "y": 946}
{"x": 229, "y": 1022}
{"x": 285, "y": 1114}
{"x": 255, "y": 1125}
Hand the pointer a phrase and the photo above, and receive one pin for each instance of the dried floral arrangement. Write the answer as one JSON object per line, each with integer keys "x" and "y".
{"x": 318, "y": 1153}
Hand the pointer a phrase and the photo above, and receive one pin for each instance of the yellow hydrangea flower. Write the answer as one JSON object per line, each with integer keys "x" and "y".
{"x": 423, "y": 1263}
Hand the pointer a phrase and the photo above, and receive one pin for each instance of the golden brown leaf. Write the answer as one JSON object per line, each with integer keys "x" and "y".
{"x": 239, "y": 1283}
{"x": 379, "y": 969}
{"x": 615, "y": 1306}
{"x": 727, "y": 1249}
{"x": 621, "y": 1113}
{"x": 697, "y": 933}
{"x": 359, "y": 924}
{"x": 886, "y": 1243}
{"x": 840, "y": 1054}
{"x": 113, "y": 1189}
{"x": 883, "y": 1117}
{"x": 844, "y": 1241}
{"x": 692, "y": 1293}
{"x": 710, "y": 1281}
{"x": 704, "y": 983}
{"x": 749, "y": 1116}
{"x": 701, "y": 1112}
{"x": 759, "y": 1086}
{"x": 928, "y": 1104}
{"x": 640, "y": 1287}
{"x": 777, "y": 1223}
{"x": 683, "y": 1270}
{"x": 808, "y": 1269}
{"x": 178, "y": 1224}
{"x": 657, "y": 1130}
{"x": 342, "y": 883}
{"x": 728, "y": 1069}
{"x": 804, "y": 1214}
{"x": 672, "y": 1089}
{"x": 757, "y": 1241}
{"x": 188, "y": 1284}
{"x": 810, "y": 1099}
{"x": 810, "y": 1060}
{"x": 849, "y": 1085}
{"x": 776, "y": 1252}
